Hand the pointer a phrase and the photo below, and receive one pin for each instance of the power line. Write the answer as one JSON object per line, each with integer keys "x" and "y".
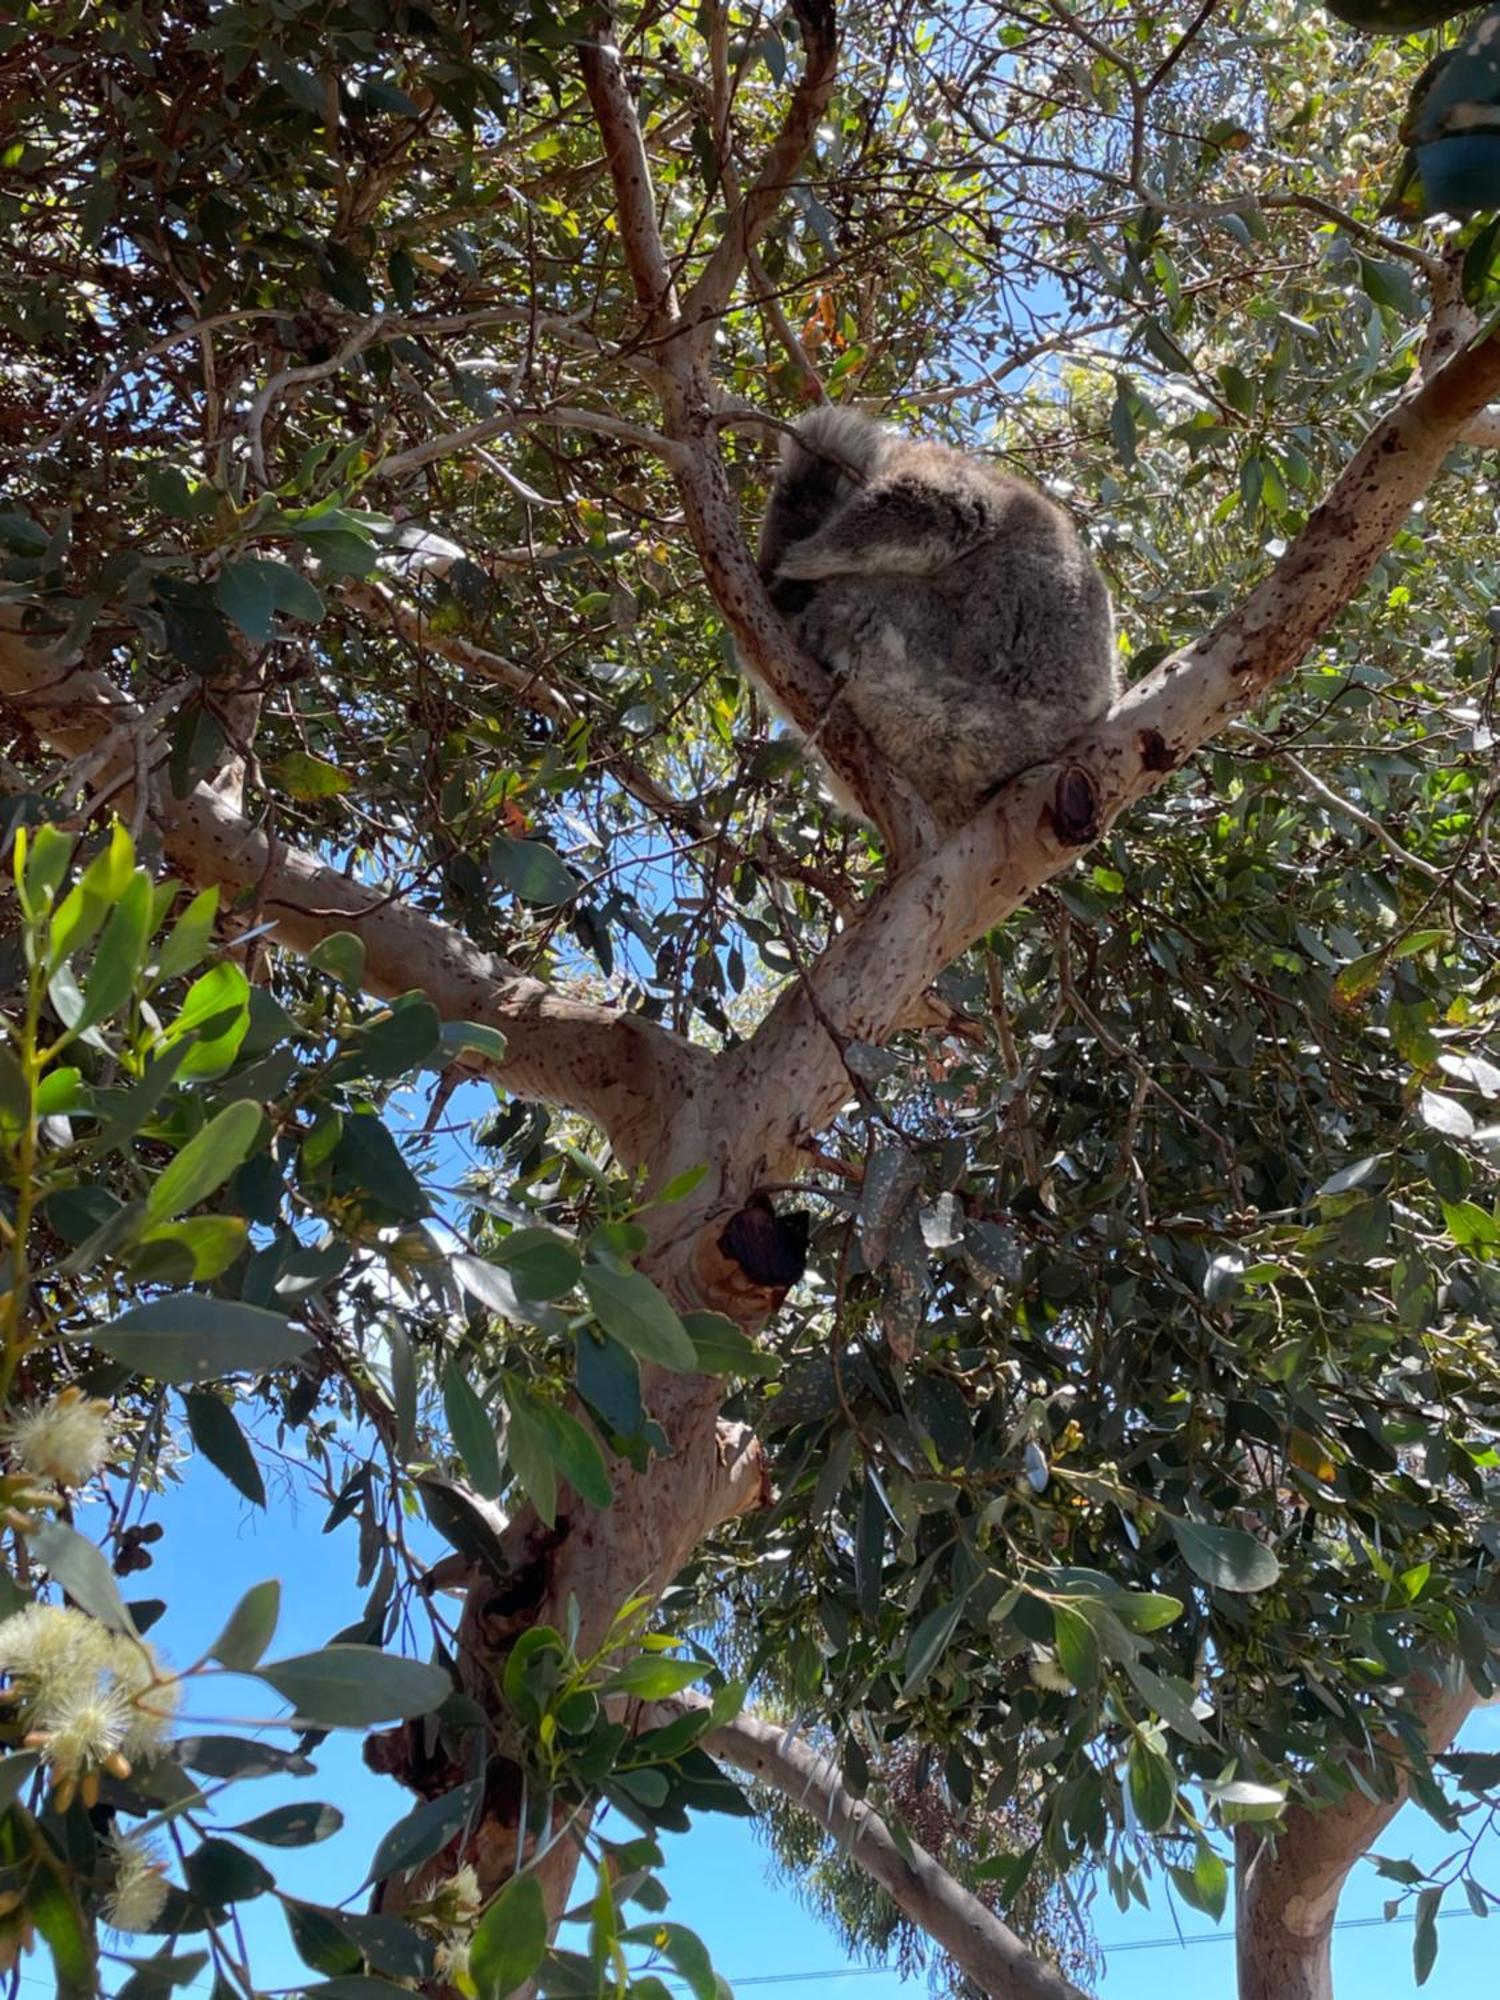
{"x": 1173, "y": 1943}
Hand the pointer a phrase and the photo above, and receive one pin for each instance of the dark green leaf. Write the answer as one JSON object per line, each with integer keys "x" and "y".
{"x": 509, "y": 1939}
{"x": 218, "y": 1873}
{"x": 190, "y": 1337}
{"x": 83, "y": 1571}
{"x": 354, "y": 1687}
{"x": 473, "y": 1431}
{"x": 1424, "y": 1944}
{"x": 685, "y": 1951}
{"x": 426, "y": 1830}
{"x": 928, "y": 1643}
{"x": 252, "y": 1624}
{"x": 531, "y": 871}
{"x": 541, "y": 1264}
{"x": 630, "y": 1308}
{"x": 301, "y": 1825}
{"x": 1228, "y": 1558}
{"x": 723, "y": 1349}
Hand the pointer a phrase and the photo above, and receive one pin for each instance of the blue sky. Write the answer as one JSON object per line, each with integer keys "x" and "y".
{"x": 216, "y": 1547}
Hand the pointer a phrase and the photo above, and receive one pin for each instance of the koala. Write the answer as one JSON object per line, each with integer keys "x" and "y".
{"x": 953, "y": 606}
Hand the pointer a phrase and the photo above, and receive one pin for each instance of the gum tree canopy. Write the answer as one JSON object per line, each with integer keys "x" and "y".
{"x": 981, "y": 1353}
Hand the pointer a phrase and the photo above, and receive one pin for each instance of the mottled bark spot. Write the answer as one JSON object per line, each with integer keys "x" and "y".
{"x": 1075, "y": 808}
{"x": 1156, "y": 753}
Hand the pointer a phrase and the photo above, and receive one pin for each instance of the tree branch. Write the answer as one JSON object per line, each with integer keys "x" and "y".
{"x": 1286, "y": 1895}
{"x": 628, "y": 1075}
{"x": 988, "y": 1950}
{"x": 630, "y": 171}
{"x": 798, "y": 684}
{"x": 711, "y": 291}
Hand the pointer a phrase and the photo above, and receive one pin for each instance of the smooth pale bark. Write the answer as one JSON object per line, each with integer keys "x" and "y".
{"x": 978, "y": 1941}
{"x": 1287, "y": 1895}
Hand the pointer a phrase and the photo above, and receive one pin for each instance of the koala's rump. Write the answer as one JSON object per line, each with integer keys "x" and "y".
{"x": 967, "y": 678}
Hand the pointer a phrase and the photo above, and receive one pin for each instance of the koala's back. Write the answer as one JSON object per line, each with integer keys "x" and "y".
{"x": 954, "y": 605}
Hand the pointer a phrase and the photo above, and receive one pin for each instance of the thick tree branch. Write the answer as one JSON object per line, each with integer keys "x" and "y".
{"x": 628, "y": 1075}
{"x": 987, "y": 1949}
{"x": 1286, "y": 1895}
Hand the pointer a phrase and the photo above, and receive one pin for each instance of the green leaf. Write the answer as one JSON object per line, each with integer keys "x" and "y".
{"x": 496, "y": 1291}
{"x": 1228, "y": 1558}
{"x": 218, "y": 1873}
{"x": 1077, "y": 1647}
{"x": 206, "y": 1161}
{"x": 509, "y": 1939}
{"x": 475, "y": 1038}
{"x": 304, "y": 776}
{"x": 1153, "y": 1791}
{"x": 403, "y": 1387}
{"x": 190, "y": 1337}
{"x": 390, "y": 1945}
{"x": 182, "y": 1253}
{"x": 722, "y": 1348}
{"x": 928, "y": 1643}
{"x": 399, "y": 1041}
{"x": 1144, "y": 1610}
{"x": 15, "y": 1097}
{"x": 195, "y": 628}
{"x": 354, "y": 1687}
{"x": 1211, "y": 1878}
{"x": 52, "y": 1906}
{"x": 1170, "y": 1699}
{"x": 531, "y": 870}
{"x": 566, "y": 1443}
{"x": 83, "y": 1571}
{"x": 120, "y": 953}
{"x": 300, "y": 1825}
{"x": 368, "y": 1161}
{"x": 1424, "y": 1944}
{"x": 252, "y": 589}
{"x": 214, "y": 1019}
{"x": 247, "y": 596}
{"x": 216, "y": 1431}
{"x": 652, "y": 1677}
{"x": 424, "y": 1831}
{"x": 630, "y": 1307}
{"x": 542, "y": 1264}
{"x": 189, "y": 937}
{"x": 685, "y": 1951}
{"x": 342, "y": 956}
{"x": 48, "y": 854}
{"x": 530, "y": 1459}
{"x": 252, "y": 1625}
{"x": 473, "y": 1432}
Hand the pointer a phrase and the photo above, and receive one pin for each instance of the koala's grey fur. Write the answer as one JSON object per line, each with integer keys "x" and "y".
{"x": 953, "y": 606}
